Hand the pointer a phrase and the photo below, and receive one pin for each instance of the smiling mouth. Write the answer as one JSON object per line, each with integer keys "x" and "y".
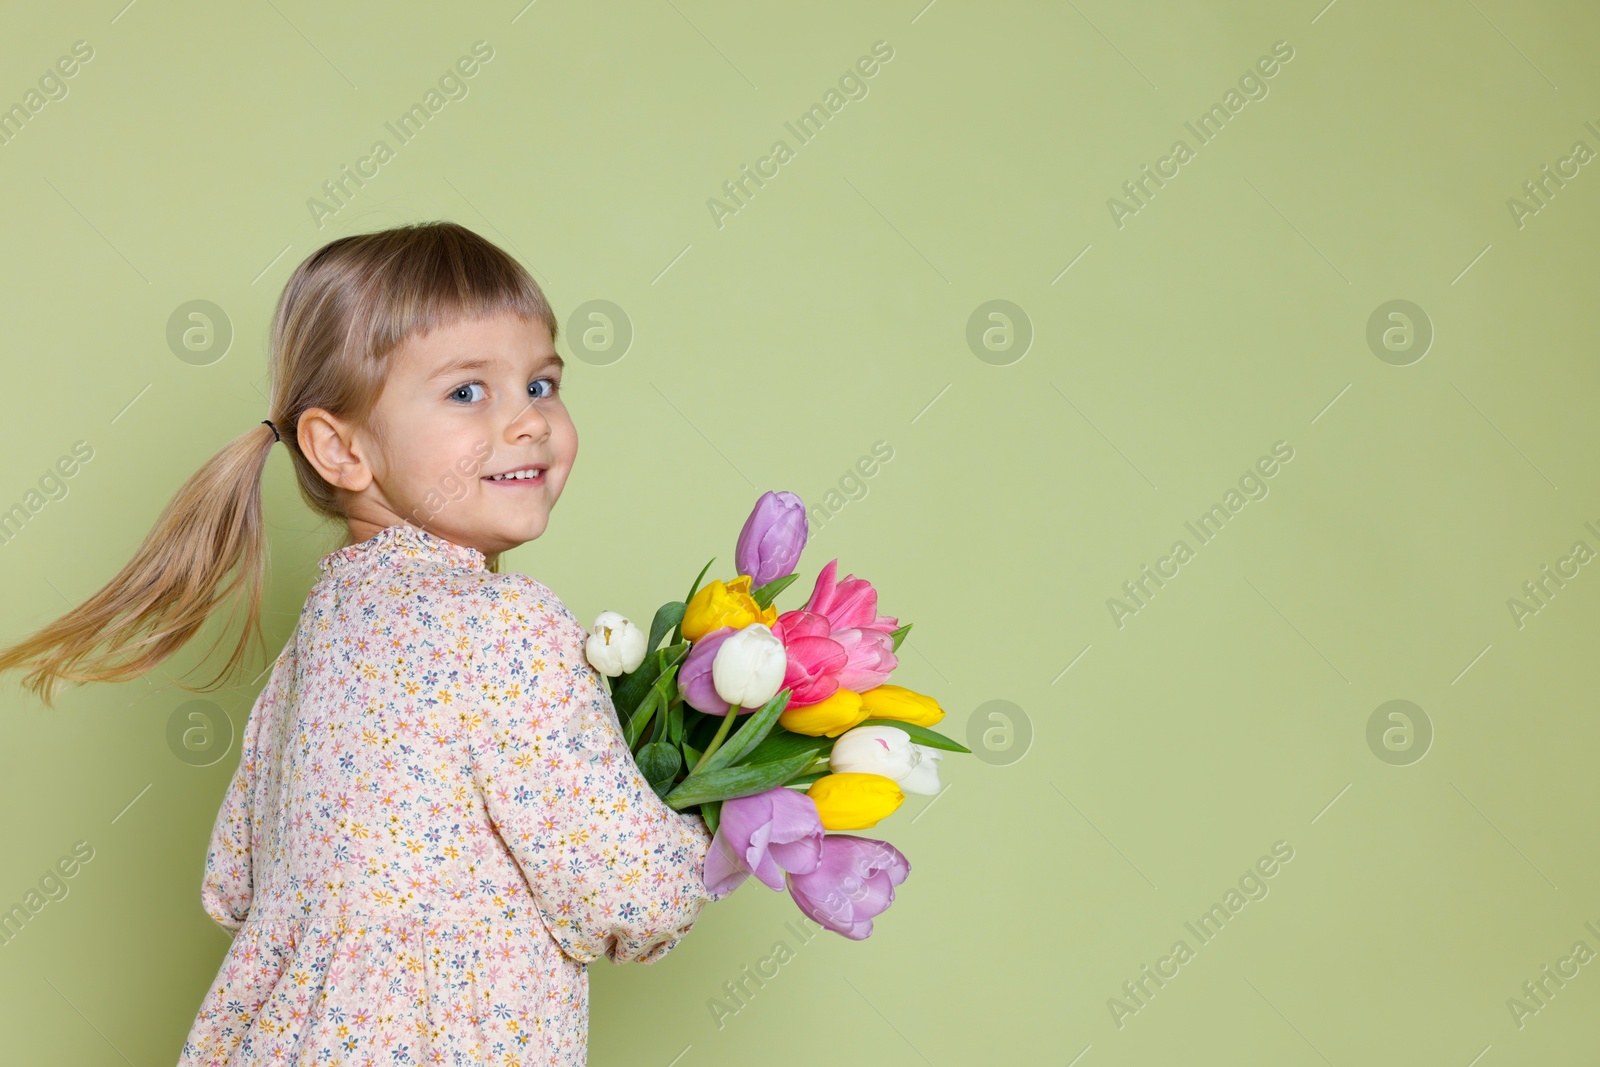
{"x": 520, "y": 476}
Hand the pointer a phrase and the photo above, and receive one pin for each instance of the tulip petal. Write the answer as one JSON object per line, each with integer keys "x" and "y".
{"x": 811, "y": 669}
{"x": 885, "y": 750}
{"x": 766, "y": 834}
{"x": 758, "y": 859}
{"x": 801, "y": 624}
{"x": 742, "y": 825}
{"x": 848, "y": 604}
{"x": 797, "y": 834}
{"x": 869, "y": 655}
{"x": 749, "y": 667}
{"x": 854, "y": 883}
{"x": 723, "y": 874}
{"x": 772, "y": 538}
{"x": 854, "y": 800}
{"x": 924, "y": 775}
{"x": 822, "y": 590}
{"x": 695, "y": 681}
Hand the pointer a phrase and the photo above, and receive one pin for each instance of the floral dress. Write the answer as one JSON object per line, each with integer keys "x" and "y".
{"x": 434, "y": 827}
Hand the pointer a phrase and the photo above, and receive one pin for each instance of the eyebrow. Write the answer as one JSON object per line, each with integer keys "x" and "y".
{"x": 475, "y": 363}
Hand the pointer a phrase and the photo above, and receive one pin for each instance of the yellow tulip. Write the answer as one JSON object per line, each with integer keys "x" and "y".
{"x": 854, "y": 800}
{"x": 831, "y": 717}
{"x": 897, "y": 702}
{"x": 724, "y": 604}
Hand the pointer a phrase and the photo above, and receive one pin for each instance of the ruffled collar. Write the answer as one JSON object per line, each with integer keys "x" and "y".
{"x": 397, "y": 544}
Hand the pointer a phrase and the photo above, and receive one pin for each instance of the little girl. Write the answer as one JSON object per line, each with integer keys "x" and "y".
{"x": 435, "y": 824}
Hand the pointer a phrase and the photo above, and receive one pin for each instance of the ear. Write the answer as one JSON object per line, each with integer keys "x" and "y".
{"x": 329, "y": 443}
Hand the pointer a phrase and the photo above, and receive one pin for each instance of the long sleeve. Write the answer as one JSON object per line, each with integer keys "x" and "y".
{"x": 228, "y": 887}
{"x": 614, "y": 870}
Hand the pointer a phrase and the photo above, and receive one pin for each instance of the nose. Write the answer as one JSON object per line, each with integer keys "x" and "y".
{"x": 528, "y": 424}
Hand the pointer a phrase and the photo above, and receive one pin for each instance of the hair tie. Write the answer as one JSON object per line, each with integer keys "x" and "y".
{"x": 268, "y": 423}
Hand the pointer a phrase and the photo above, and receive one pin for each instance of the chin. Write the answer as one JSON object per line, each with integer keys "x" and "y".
{"x": 520, "y": 533}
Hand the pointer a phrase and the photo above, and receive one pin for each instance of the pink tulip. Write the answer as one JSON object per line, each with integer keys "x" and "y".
{"x": 814, "y": 658}
{"x": 850, "y": 604}
{"x": 869, "y": 658}
{"x": 854, "y": 882}
{"x": 838, "y": 640}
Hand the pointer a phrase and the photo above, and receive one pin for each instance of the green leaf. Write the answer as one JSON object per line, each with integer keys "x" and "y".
{"x": 899, "y": 635}
{"x": 659, "y": 763}
{"x": 724, "y": 724}
{"x": 781, "y": 743}
{"x": 807, "y": 778}
{"x": 749, "y": 734}
{"x": 668, "y": 616}
{"x": 628, "y": 690}
{"x": 769, "y": 592}
{"x": 675, "y": 722}
{"x": 691, "y": 755}
{"x": 660, "y": 695}
{"x": 704, "y": 728}
{"x": 920, "y": 734}
{"x": 725, "y": 783}
{"x": 658, "y": 729}
{"x": 695, "y": 588}
{"x": 711, "y": 812}
{"x": 635, "y": 726}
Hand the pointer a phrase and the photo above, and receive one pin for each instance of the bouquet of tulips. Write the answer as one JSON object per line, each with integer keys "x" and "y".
{"x": 778, "y": 727}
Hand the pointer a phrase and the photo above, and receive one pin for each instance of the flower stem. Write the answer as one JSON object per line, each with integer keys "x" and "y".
{"x": 716, "y": 739}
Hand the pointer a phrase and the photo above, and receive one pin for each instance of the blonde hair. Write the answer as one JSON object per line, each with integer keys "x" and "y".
{"x": 345, "y": 308}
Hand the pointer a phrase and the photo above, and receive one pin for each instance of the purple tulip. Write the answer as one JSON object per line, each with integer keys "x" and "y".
{"x": 765, "y": 835}
{"x": 854, "y": 882}
{"x": 772, "y": 539}
{"x": 694, "y": 677}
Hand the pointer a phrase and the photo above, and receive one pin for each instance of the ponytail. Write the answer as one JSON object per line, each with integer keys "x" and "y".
{"x": 207, "y": 545}
{"x": 344, "y": 309}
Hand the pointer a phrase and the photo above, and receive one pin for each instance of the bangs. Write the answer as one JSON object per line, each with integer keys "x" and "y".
{"x": 425, "y": 276}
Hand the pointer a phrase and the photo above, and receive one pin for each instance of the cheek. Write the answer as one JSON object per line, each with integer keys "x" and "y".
{"x": 566, "y": 433}
{"x": 423, "y": 459}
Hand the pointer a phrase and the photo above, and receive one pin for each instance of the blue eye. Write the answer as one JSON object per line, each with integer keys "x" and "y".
{"x": 551, "y": 382}
{"x": 468, "y": 393}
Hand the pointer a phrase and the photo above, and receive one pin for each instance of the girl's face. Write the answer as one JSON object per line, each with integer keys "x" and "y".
{"x": 462, "y": 408}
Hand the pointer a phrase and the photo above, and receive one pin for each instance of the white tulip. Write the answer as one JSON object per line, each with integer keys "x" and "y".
{"x": 889, "y": 751}
{"x": 748, "y": 668}
{"x": 884, "y": 750}
{"x": 615, "y": 645}
{"x": 924, "y": 777}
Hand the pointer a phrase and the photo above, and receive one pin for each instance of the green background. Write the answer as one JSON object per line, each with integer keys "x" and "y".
{"x": 831, "y": 312}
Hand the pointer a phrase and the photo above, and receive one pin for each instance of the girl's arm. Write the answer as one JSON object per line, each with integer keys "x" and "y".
{"x": 229, "y": 886}
{"x": 614, "y": 870}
